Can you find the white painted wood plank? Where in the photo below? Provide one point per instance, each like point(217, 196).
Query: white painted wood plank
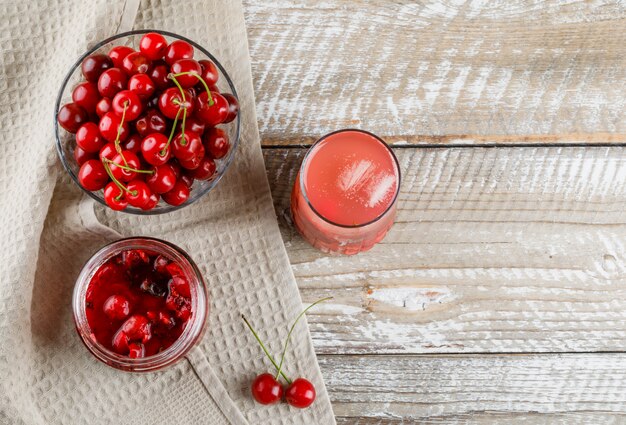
point(430, 68)
point(517, 389)
point(494, 250)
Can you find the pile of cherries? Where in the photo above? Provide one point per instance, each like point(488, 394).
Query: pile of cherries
point(266, 389)
point(138, 303)
point(146, 122)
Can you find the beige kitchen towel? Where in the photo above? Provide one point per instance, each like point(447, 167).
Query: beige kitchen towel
point(48, 230)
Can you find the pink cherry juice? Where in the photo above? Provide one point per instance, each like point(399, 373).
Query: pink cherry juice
point(345, 194)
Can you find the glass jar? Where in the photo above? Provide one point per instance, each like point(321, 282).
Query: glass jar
point(194, 327)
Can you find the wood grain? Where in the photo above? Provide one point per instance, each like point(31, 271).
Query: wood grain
point(494, 250)
point(512, 249)
point(444, 70)
point(516, 389)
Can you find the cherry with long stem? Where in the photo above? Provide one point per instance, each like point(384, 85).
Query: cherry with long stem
point(269, 356)
point(282, 358)
point(105, 163)
point(206, 86)
point(267, 353)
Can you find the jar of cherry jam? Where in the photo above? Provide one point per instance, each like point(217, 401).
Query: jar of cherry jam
point(140, 304)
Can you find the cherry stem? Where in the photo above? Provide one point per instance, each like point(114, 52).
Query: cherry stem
point(127, 168)
point(180, 88)
point(206, 86)
point(169, 139)
point(282, 358)
point(118, 148)
point(269, 356)
point(105, 162)
point(183, 142)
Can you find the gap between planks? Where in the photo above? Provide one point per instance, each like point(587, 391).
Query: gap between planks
point(470, 141)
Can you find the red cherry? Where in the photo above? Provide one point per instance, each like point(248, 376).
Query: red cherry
point(132, 161)
point(166, 320)
point(108, 151)
point(137, 328)
point(128, 100)
point(116, 307)
point(300, 394)
point(103, 106)
point(136, 63)
point(94, 65)
point(152, 202)
point(205, 170)
point(191, 93)
point(92, 175)
point(186, 65)
point(233, 107)
point(187, 147)
point(81, 156)
point(134, 257)
point(180, 305)
point(163, 179)
point(109, 125)
point(111, 81)
point(155, 150)
point(209, 72)
point(151, 122)
point(179, 286)
point(160, 263)
point(88, 138)
point(211, 115)
point(138, 194)
point(178, 195)
point(176, 167)
point(174, 269)
point(266, 389)
point(118, 53)
point(71, 117)
point(120, 342)
point(171, 101)
point(158, 74)
point(192, 124)
point(216, 143)
point(186, 178)
point(153, 45)
point(193, 163)
point(136, 350)
point(142, 85)
point(153, 102)
point(116, 200)
point(178, 50)
point(86, 95)
point(133, 143)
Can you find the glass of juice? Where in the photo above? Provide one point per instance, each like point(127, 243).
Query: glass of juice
point(344, 197)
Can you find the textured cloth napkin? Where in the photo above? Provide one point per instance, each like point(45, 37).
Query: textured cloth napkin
point(49, 229)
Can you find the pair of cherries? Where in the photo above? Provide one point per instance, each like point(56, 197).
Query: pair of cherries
point(145, 123)
point(266, 388)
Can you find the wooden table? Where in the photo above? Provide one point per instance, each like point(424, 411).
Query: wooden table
point(500, 293)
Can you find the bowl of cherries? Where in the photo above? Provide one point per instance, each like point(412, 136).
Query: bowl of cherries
point(147, 122)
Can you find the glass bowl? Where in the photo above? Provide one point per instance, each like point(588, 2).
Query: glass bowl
point(65, 141)
point(193, 330)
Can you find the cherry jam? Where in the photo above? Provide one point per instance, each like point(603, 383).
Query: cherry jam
point(140, 300)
